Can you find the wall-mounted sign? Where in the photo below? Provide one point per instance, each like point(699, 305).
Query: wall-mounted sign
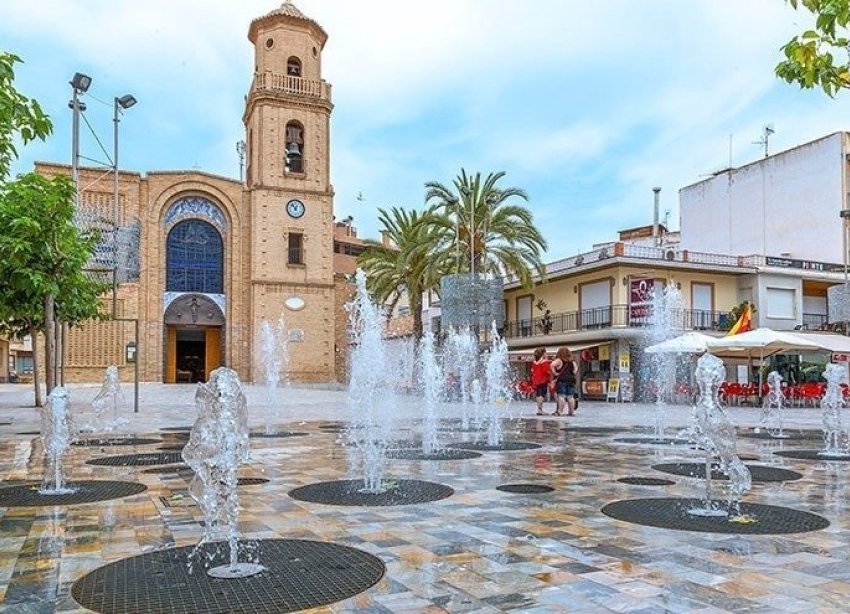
point(640, 297)
point(624, 362)
point(809, 265)
point(294, 303)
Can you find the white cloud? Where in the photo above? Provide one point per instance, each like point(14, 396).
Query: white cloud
point(586, 104)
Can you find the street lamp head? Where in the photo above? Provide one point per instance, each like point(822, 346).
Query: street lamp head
point(81, 82)
point(126, 101)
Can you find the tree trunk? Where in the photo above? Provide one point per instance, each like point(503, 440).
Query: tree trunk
point(36, 383)
point(49, 343)
point(416, 308)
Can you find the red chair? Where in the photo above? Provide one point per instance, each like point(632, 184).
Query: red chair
point(734, 392)
point(810, 394)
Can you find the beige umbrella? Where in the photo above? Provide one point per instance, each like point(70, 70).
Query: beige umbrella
point(760, 342)
point(689, 343)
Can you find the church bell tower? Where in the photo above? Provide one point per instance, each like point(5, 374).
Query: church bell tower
point(287, 124)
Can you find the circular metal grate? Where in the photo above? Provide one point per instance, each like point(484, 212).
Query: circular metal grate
point(646, 481)
point(176, 435)
point(811, 455)
point(251, 481)
point(347, 492)
point(760, 473)
point(789, 435)
point(299, 575)
point(439, 455)
point(655, 441)
point(115, 441)
point(594, 430)
point(525, 489)
point(169, 469)
point(505, 446)
point(281, 435)
point(85, 491)
point(673, 513)
point(130, 460)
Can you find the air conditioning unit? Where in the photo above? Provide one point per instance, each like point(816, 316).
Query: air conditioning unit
point(669, 254)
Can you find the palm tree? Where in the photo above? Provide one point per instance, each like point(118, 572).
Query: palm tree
point(405, 266)
point(484, 230)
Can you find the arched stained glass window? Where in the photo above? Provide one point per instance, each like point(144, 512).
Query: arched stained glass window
point(194, 258)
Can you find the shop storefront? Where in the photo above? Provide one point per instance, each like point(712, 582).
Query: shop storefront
point(594, 366)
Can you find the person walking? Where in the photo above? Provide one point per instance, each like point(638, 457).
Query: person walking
point(541, 374)
point(564, 370)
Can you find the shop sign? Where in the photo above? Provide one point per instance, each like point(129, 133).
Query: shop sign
point(640, 297)
point(613, 390)
point(594, 388)
point(624, 362)
point(809, 265)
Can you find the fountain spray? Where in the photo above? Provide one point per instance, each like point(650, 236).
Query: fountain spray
point(716, 435)
point(217, 445)
point(107, 404)
point(498, 390)
point(57, 431)
point(432, 385)
point(369, 400)
point(836, 440)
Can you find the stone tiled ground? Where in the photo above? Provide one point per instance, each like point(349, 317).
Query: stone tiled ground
point(480, 550)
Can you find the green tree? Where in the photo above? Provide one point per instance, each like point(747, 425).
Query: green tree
point(820, 56)
point(406, 265)
point(20, 117)
point(482, 223)
point(42, 277)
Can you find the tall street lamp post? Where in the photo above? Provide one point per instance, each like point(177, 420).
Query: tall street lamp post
point(120, 103)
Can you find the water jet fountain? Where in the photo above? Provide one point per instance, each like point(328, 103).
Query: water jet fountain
point(109, 399)
point(274, 355)
point(432, 384)
point(217, 445)
point(498, 385)
point(716, 436)
point(462, 358)
point(57, 431)
point(664, 323)
point(773, 408)
point(836, 438)
point(368, 398)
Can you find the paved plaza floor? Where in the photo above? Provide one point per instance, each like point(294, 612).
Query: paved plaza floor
point(478, 550)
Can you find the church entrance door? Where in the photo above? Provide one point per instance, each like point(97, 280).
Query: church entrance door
point(194, 331)
point(192, 353)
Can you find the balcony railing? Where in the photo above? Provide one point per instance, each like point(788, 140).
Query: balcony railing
point(614, 316)
point(815, 321)
point(297, 86)
point(674, 254)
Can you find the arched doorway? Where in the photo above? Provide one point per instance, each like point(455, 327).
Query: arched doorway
point(194, 331)
point(194, 278)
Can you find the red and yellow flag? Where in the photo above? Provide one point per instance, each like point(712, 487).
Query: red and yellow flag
point(744, 323)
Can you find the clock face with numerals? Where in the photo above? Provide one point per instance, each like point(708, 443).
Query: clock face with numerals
point(295, 208)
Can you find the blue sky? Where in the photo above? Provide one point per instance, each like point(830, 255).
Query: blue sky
point(585, 105)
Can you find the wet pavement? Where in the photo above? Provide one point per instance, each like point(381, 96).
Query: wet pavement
point(478, 550)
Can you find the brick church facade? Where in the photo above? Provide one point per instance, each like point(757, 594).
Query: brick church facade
point(206, 259)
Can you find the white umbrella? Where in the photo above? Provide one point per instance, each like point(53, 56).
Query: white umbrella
point(689, 343)
point(760, 342)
